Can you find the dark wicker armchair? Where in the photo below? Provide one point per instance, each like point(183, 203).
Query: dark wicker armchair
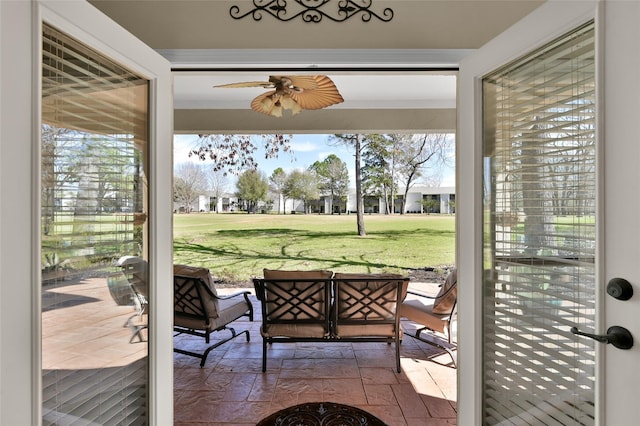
point(199, 311)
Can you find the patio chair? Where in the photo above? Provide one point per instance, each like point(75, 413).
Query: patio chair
point(136, 269)
point(366, 308)
point(200, 311)
point(434, 314)
point(295, 306)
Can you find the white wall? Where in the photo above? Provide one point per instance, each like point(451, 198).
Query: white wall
point(414, 202)
point(203, 204)
point(17, 273)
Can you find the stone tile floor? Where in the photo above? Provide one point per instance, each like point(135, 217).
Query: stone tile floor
point(83, 330)
point(232, 390)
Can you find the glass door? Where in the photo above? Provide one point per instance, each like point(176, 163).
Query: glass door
point(105, 337)
point(547, 218)
point(94, 210)
point(539, 145)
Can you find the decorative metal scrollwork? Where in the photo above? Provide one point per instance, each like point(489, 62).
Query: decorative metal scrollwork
point(312, 10)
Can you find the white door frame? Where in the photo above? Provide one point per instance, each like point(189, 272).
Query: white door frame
point(20, 331)
point(618, 200)
point(620, 203)
point(16, 343)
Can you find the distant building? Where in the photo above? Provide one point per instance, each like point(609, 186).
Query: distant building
point(206, 204)
point(227, 203)
point(442, 200)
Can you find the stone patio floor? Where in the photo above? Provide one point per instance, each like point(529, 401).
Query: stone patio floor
point(231, 388)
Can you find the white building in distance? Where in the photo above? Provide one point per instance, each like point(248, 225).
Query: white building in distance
point(420, 199)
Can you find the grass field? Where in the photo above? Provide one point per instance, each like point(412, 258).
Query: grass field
point(236, 247)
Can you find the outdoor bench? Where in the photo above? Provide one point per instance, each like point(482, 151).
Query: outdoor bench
point(322, 306)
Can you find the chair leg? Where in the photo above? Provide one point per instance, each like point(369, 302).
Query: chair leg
point(136, 329)
point(137, 332)
point(264, 354)
point(205, 354)
point(432, 343)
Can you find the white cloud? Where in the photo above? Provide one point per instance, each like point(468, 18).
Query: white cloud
point(303, 146)
point(324, 154)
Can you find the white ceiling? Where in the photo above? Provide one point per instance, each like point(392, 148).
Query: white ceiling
point(423, 35)
point(366, 78)
point(194, 90)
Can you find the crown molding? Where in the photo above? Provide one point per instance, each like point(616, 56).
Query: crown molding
point(309, 59)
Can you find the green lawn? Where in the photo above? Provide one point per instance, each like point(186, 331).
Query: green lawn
point(239, 246)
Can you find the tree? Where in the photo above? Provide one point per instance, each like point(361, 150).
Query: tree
point(218, 184)
point(234, 153)
point(430, 205)
point(396, 149)
point(189, 182)
point(301, 185)
point(252, 187)
point(378, 172)
point(277, 180)
point(59, 168)
point(414, 154)
point(355, 140)
point(333, 177)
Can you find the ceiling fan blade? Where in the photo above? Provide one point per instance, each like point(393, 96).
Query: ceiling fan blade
point(324, 94)
point(265, 84)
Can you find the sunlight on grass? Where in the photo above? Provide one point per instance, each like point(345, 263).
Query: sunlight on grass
point(238, 246)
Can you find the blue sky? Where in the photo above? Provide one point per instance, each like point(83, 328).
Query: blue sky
point(306, 149)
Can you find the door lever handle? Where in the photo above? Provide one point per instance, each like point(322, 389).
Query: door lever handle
point(618, 336)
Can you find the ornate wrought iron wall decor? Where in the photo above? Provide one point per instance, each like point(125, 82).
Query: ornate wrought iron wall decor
point(312, 10)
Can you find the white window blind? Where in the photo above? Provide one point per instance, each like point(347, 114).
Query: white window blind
point(539, 244)
point(93, 211)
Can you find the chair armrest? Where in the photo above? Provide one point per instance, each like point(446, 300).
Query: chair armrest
point(416, 293)
point(230, 296)
point(435, 296)
point(258, 285)
point(244, 294)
